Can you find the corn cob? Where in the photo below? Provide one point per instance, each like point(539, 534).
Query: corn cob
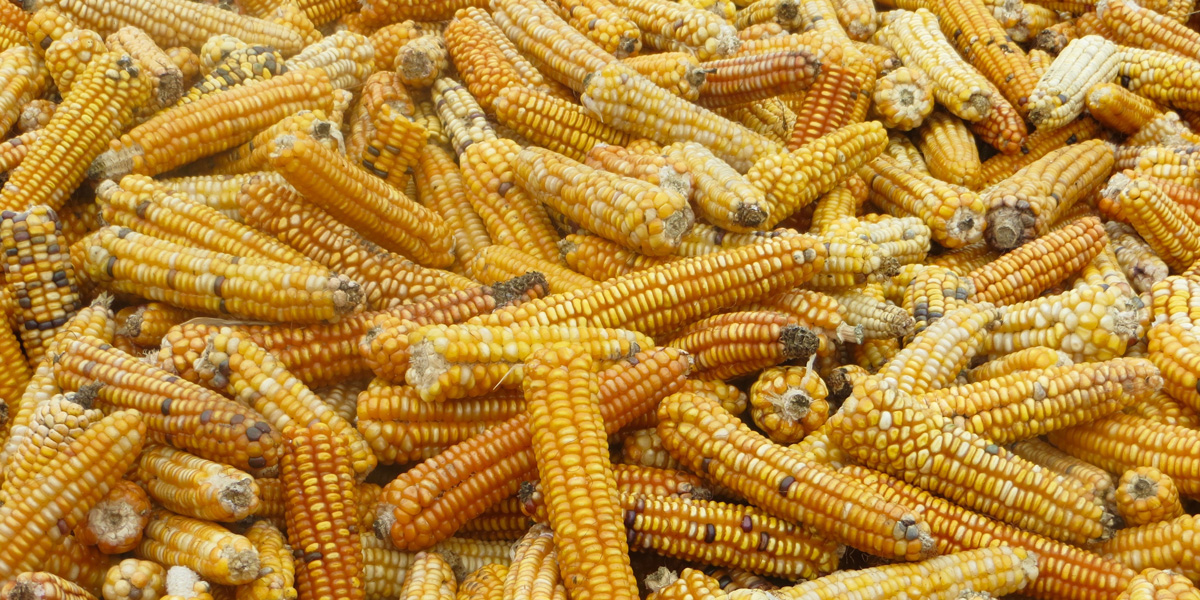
point(600, 260)
point(66, 488)
point(41, 277)
point(1003, 128)
point(903, 98)
point(389, 39)
point(50, 429)
point(551, 122)
point(842, 202)
point(1162, 545)
point(1028, 359)
point(949, 150)
point(1038, 264)
point(1164, 409)
point(1145, 495)
point(550, 43)
point(723, 197)
point(840, 96)
point(23, 77)
point(933, 292)
point(871, 525)
point(494, 264)
point(1153, 583)
point(1161, 222)
point(1165, 130)
point(342, 397)
point(615, 90)
point(534, 570)
point(643, 447)
point(486, 582)
point(1141, 265)
point(640, 480)
point(318, 473)
point(1038, 144)
point(677, 72)
point(623, 397)
point(388, 280)
point(781, 12)
point(603, 23)
point(1064, 571)
point(66, 58)
point(114, 525)
point(1065, 514)
point(788, 403)
point(1093, 478)
point(1026, 205)
point(146, 325)
point(954, 215)
point(740, 343)
point(504, 521)
point(206, 548)
point(133, 578)
point(171, 408)
point(1040, 61)
point(150, 208)
point(658, 168)
point(985, 44)
point(184, 583)
point(665, 584)
point(1132, 24)
point(512, 217)
point(877, 319)
point(461, 115)
point(1059, 95)
point(1147, 73)
point(440, 187)
point(216, 191)
point(430, 577)
point(678, 27)
point(421, 61)
point(1088, 322)
point(241, 67)
point(1119, 443)
point(346, 57)
point(277, 566)
point(956, 84)
point(771, 117)
point(754, 77)
point(196, 487)
point(955, 339)
point(39, 584)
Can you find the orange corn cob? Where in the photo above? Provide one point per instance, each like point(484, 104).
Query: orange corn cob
point(788, 403)
point(512, 217)
point(1037, 145)
point(1161, 222)
point(440, 187)
point(955, 215)
point(494, 264)
point(739, 343)
point(1164, 409)
point(677, 72)
point(1163, 545)
point(1145, 495)
point(753, 77)
point(1041, 263)
point(552, 122)
point(839, 96)
point(115, 523)
point(1122, 442)
point(550, 43)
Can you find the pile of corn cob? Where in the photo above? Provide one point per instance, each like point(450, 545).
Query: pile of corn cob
point(548, 299)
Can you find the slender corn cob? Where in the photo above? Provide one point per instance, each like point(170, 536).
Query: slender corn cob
point(1122, 442)
point(1003, 128)
point(152, 209)
point(600, 260)
point(277, 578)
point(1026, 205)
point(753, 77)
point(144, 325)
point(241, 67)
point(840, 96)
point(133, 578)
point(1165, 130)
point(1161, 222)
point(1064, 513)
point(552, 123)
point(1164, 409)
point(388, 279)
point(440, 187)
point(41, 276)
point(1101, 485)
point(985, 44)
point(1064, 571)
point(206, 548)
point(739, 343)
point(1028, 359)
point(1132, 24)
point(534, 571)
point(954, 339)
point(461, 115)
point(903, 98)
point(957, 85)
point(512, 217)
point(1037, 265)
point(560, 51)
point(788, 403)
point(678, 27)
point(66, 488)
point(603, 23)
point(486, 582)
point(771, 117)
point(1163, 545)
point(615, 91)
point(1147, 73)
point(1145, 495)
point(644, 481)
point(677, 72)
point(494, 264)
point(955, 215)
point(1038, 144)
point(114, 525)
point(877, 319)
point(625, 393)
point(1142, 266)
point(318, 473)
point(1059, 95)
point(216, 191)
point(870, 524)
point(195, 487)
point(842, 202)
point(949, 150)
point(1041, 61)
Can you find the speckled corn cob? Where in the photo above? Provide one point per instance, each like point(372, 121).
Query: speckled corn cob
point(903, 98)
point(494, 264)
point(1059, 95)
point(1132, 24)
point(1163, 77)
point(878, 319)
point(66, 488)
point(40, 275)
point(603, 23)
point(318, 472)
point(165, 76)
point(956, 84)
point(1088, 323)
point(512, 216)
point(49, 430)
point(1142, 266)
point(241, 67)
point(626, 392)
point(954, 215)
point(949, 150)
point(216, 191)
point(552, 122)
point(671, 26)
point(1061, 513)
point(953, 340)
point(1037, 145)
point(195, 487)
point(788, 403)
point(133, 578)
point(1145, 495)
point(594, 559)
point(204, 547)
point(740, 343)
point(1041, 263)
point(553, 45)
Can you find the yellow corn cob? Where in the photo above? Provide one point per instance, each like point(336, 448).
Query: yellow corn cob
point(615, 91)
point(241, 67)
point(145, 325)
point(954, 339)
point(1027, 204)
point(552, 123)
point(133, 578)
point(114, 525)
point(665, 584)
point(1063, 513)
point(1093, 478)
point(277, 578)
point(495, 264)
point(877, 319)
point(165, 76)
point(1165, 130)
point(788, 403)
point(1147, 73)
point(949, 150)
point(723, 196)
point(954, 215)
point(1038, 264)
point(512, 217)
point(440, 187)
point(677, 72)
point(38, 584)
point(342, 397)
point(1119, 442)
point(903, 98)
point(1038, 144)
point(985, 44)
point(204, 547)
point(603, 24)
point(781, 12)
point(1161, 222)
point(1036, 357)
point(534, 572)
point(1040, 61)
point(643, 447)
point(1003, 128)
point(1059, 95)
point(318, 474)
point(66, 58)
point(23, 77)
point(557, 49)
point(842, 202)
point(933, 292)
point(41, 277)
point(672, 26)
point(600, 259)
point(389, 39)
point(1153, 583)
point(195, 487)
point(65, 488)
point(50, 429)
point(1164, 409)
point(1146, 495)
point(217, 191)
point(1163, 545)
point(485, 583)
point(421, 61)
point(753, 77)
point(346, 57)
point(429, 577)
point(739, 343)
point(1132, 24)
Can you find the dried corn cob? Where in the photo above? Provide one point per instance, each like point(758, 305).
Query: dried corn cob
point(1161, 222)
point(903, 98)
point(840, 96)
point(145, 325)
point(1132, 24)
point(739, 343)
point(1038, 144)
point(1122, 442)
point(206, 548)
point(1036, 357)
point(277, 578)
point(1093, 478)
point(1036, 265)
point(677, 72)
point(949, 150)
point(195, 487)
point(342, 397)
point(346, 57)
point(494, 264)
point(318, 473)
point(600, 259)
point(1003, 128)
point(722, 196)
point(421, 61)
point(603, 23)
point(878, 319)
point(771, 117)
point(1159, 76)
point(1059, 95)
point(954, 339)
point(643, 447)
point(788, 403)
point(68, 57)
point(216, 191)
point(40, 274)
point(753, 77)
point(429, 576)
point(114, 525)
point(241, 67)
point(39, 584)
point(440, 187)
point(512, 217)
point(1145, 495)
point(1164, 409)
point(954, 215)
point(562, 52)
point(133, 578)
point(1162, 545)
point(985, 44)
point(1153, 583)
point(165, 76)
point(671, 26)
point(956, 84)
point(552, 123)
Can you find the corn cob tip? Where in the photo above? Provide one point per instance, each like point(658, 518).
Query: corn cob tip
point(103, 301)
point(457, 564)
point(850, 333)
point(515, 289)
point(889, 267)
point(384, 520)
point(752, 216)
point(114, 164)
point(798, 342)
point(85, 396)
point(625, 46)
point(660, 578)
point(348, 295)
point(1006, 227)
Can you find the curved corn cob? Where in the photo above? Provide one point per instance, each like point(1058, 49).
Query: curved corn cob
point(678, 27)
point(318, 473)
point(1038, 264)
point(494, 264)
point(512, 217)
point(469, 479)
point(65, 489)
point(485, 583)
point(241, 67)
point(195, 487)
point(1145, 495)
point(41, 276)
point(941, 459)
point(429, 577)
point(206, 548)
point(133, 578)
point(68, 57)
point(534, 572)
point(1026, 205)
point(949, 150)
point(346, 57)
point(278, 569)
point(165, 76)
point(933, 292)
point(388, 279)
point(1028, 359)
point(603, 23)
point(1163, 224)
point(739, 343)
point(955, 215)
point(1163, 545)
point(616, 91)
point(1064, 571)
point(957, 85)
point(1059, 95)
point(937, 355)
point(115, 524)
point(562, 395)
point(788, 403)
point(876, 318)
point(903, 98)
point(551, 122)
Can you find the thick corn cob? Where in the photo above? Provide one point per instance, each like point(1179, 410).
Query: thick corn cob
point(1063, 513)
point(1037, 145)
point(1119, 108)
point(1155, 583)
point(53, 424)
point(552, 122)
point(133, 578)
point(41, 277)
point(600, 259)
point(1038, 264)
point(42, 585)
point(753, 77)
point(954, 340)
point(1036, 357)
point(494, 264)
point(421, 61)
point(23, 77)
point(144, 325)
point(1164, 409)
point(195, 487)
point(788, 403)
point(877, 319)
point(114, 525)
point(949, 150)
point(162, 143)
point(1059, 95)
point(1161, 222)
point(955, 215)
point(206, 548)
point(1145, 495)
point(643, 447)
point(723, 197)
point(933, 292)
point(1101, 485)
point(216, 191)
point(1132, 24)
point(739, 343)
point(677, 72)
point(1122, 442)
point(626, 392)
point(840, 96)
point(277, 576)
point(603, 23)
point(657, 168)
point(985, 44)
point(1161, 76)
point(318, 473)
point(165, 76)
point(242, 67)
point(1163, 545)
point(903, 98)
point(512, 216)
point(671, 26)
point(67, 58)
